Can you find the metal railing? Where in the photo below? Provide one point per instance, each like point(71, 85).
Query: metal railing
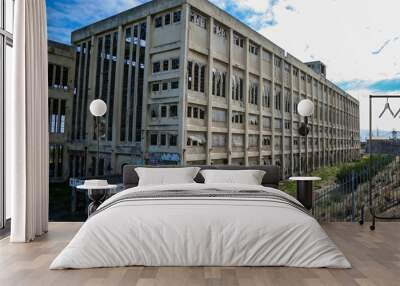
point(347, 200)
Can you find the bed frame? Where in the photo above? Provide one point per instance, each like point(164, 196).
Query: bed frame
point(271, 178)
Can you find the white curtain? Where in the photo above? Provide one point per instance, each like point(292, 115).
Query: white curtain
point(26, 120)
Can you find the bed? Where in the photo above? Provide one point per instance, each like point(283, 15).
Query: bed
point(201, 224)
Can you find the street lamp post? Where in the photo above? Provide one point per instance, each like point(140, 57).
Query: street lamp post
point(98, 108)
point(305, 109)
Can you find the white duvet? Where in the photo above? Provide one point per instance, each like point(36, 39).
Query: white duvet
point(202, 232)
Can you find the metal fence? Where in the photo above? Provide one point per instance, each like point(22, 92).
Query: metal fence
point(347, 200)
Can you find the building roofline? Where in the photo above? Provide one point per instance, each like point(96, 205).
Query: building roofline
point(130, 15)
point(141, 11)
point(59, 45)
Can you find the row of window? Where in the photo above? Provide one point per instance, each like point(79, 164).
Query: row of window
point(164, 85)
point(195, 112)
point(166, 65)
point(57, 110)
point(238, 140)
point(219, 83)
point(163, 139)
point(196, 76)
point(164, 111)
point(58, 76)
point(167, 19)
point(198, 19)
point(220, 31)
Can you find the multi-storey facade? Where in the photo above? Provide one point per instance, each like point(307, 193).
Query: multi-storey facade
point(61, 91)
point(186, 83)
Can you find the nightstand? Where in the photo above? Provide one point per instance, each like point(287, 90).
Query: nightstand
point(98, 191)
point(305, 190)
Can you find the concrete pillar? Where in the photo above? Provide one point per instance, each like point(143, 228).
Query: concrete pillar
point(246, 102)
point(209, 93)
point(229, 94)
point(183, 82)
point(145, 83)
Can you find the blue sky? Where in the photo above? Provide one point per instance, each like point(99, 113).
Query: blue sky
point(358, 40)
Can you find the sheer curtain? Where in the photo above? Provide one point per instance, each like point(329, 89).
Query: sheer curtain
point(26, 124)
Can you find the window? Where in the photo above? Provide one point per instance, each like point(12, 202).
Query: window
point(153, 139)
point(219, 31)
point(237, 140)
point(202, 78)
point(198, 19)
point(253, 140)
point(266, 140)
point(219, 83)
point(267, 122)
point(218, 140)
point(173, 140)
point(163, 139)
point(295, 104)
point(237, 117)
point(156, 67)
point(238, 41)
point(158, 22)
point(165, 65)
point(156, 87)
point(267, 56)
point(266, 99)
point(190, 74)
point(201, 113)
point(253, 49)
point(167, 19)
point(165, 85)
point(287, 102)
point(278, 62)
point(237, 88)
point(163, 111)
point(278, 98)
point(253, 96)
point(253, 120)
point(64, 83)
point(196, 77)
point(175, 64)
point(287, 124)
point(177, 16)
point(219, 115)
point(189, 112)
point(173, 111)
point(175, 84)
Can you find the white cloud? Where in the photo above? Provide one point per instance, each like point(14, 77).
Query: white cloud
point(344, 34)
point(358, 40)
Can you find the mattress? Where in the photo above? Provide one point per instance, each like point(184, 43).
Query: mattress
point(201, 225)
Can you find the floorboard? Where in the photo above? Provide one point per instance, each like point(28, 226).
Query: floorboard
point(375, 257)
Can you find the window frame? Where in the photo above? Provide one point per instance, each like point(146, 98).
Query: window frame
point(6, 43)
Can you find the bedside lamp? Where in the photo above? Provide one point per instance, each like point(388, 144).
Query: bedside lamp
point(98, 108)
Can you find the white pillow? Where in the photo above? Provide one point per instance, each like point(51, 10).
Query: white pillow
point(166, 176)
point(247, 177)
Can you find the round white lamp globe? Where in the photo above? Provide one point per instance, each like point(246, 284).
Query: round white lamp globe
point(305, 108)
point(98, 108)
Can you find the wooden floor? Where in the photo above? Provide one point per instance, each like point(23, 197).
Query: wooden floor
point(375, 257)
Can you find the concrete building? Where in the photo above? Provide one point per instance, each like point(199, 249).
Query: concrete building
point(60, 71)
point(186, 83)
